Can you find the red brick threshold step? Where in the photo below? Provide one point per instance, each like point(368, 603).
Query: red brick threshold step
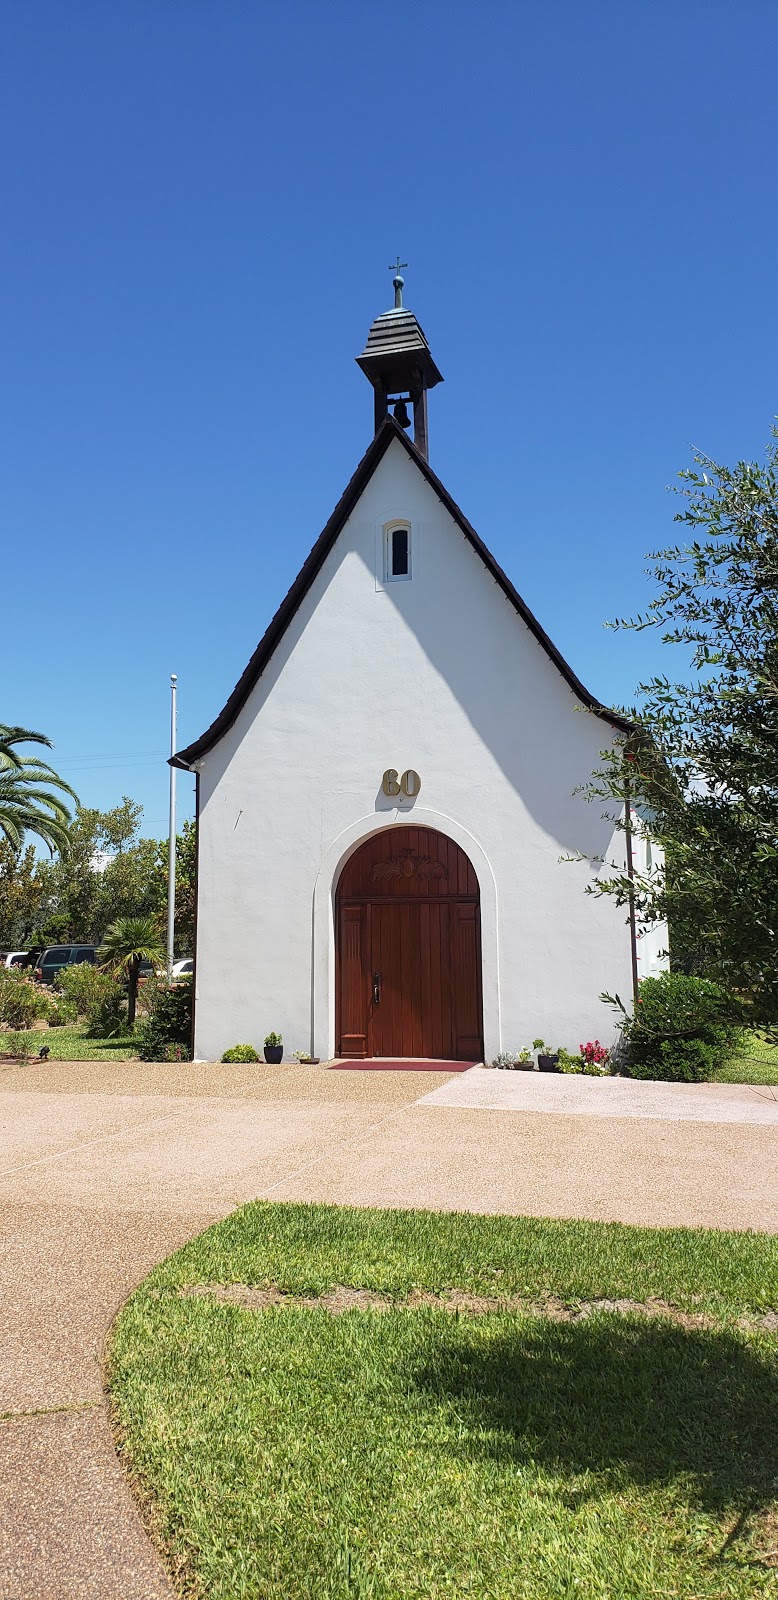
point(408, 1064)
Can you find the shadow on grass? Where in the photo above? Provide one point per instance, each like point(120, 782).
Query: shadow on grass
point(640, 1403)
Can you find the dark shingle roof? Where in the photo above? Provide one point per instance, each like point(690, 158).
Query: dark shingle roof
point(394, 337)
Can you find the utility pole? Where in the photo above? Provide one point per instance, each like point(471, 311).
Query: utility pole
point(171, 860)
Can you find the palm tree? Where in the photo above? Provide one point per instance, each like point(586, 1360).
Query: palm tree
point(27, 803)
point(128, 942)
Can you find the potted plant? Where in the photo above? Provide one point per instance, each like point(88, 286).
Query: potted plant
point(548, 1060)
point(304, 1060)
point(515, 1060)
point(274, 1048)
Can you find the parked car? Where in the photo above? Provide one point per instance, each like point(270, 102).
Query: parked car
point(19, 958)
point(57, 956)
point(182, 969)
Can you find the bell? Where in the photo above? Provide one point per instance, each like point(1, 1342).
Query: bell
point(401, 414)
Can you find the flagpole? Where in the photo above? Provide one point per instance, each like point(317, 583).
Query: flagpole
point(171, 862)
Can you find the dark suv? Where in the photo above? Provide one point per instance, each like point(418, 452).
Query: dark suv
point(58, 956)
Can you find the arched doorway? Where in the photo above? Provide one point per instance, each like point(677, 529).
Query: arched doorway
point(409, 949)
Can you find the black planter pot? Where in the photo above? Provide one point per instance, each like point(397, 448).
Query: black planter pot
point(525, 1066)
point(548, 1063)
point(274, 1053)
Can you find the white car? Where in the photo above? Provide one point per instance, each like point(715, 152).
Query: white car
point(17, 958)
point(182, 969)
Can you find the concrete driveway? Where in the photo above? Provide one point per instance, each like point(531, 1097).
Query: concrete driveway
point(106, 1169)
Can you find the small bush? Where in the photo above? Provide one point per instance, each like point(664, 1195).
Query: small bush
point(83, 985)
point(16, 1045)
point(176, 1052)
point(96, 996)
point(273, 1041)
point(22, 1000)
point(108, 1016)
point(682, 1028)
point(595, 1057)
point(241, 1052)
point(62, 1013)
point(169, 1022)
point(679, 1061)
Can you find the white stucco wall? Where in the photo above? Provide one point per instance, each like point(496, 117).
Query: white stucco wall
point(652, 937)
point(437, 674)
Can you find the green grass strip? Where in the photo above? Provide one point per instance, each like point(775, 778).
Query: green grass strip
point(72, 1044)
point(417, 1454)
point(306, 1249)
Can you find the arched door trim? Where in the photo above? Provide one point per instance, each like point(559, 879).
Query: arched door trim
point(323, 950)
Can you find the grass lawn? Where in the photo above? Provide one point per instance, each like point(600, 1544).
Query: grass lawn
point(415, 1453)
point(72, 1044)
point(755, 1062)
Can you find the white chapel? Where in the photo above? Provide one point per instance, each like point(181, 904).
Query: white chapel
point(404, 886)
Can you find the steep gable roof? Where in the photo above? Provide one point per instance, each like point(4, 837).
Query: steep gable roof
point(388, 431)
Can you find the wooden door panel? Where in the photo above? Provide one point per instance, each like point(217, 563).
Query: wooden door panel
point(408, 909)
point(466, 969)
point(354, 991)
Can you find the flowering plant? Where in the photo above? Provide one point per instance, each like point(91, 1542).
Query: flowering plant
point(594, 1055)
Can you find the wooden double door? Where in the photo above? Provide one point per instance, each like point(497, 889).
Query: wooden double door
point(409, 949)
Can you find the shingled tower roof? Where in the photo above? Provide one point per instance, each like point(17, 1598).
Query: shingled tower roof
point(395, 343)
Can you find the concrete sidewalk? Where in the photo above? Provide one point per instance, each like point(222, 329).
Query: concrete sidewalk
point(106, 1169)
point(580, 1096)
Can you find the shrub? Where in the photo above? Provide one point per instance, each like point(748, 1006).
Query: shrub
point(176, 1052)
point(61, 1013)
point(16, 1045)
point(679, 1061)
point(273, 1040)
point(108, 1016)
point(682, 1028)
point(80, 985)
point(169, 1022)
point(21, 999)
point(96, 996)
point(241, 1052)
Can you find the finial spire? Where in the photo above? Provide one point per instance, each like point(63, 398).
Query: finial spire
point(398, 283)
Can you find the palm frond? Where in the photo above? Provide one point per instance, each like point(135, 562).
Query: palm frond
point(10, 736)
point(29, 802)
point(36, 771)
point(130, 940)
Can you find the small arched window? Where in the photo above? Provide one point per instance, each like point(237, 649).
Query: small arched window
point(397, 552)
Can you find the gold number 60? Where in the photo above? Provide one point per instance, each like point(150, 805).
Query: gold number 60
point(408, 785)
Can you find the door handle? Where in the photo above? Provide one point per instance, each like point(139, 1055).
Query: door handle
point(376, 988)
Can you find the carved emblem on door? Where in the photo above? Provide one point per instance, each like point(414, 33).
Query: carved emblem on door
point(408, 865)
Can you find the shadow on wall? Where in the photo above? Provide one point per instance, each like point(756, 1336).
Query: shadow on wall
point(480, 651)
point(543, 738)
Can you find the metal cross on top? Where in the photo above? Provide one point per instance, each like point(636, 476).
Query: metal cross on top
point(398, 283)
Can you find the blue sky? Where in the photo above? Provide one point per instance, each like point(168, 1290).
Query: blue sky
point(200, 202)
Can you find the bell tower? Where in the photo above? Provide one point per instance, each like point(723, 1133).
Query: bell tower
point(398, 363)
